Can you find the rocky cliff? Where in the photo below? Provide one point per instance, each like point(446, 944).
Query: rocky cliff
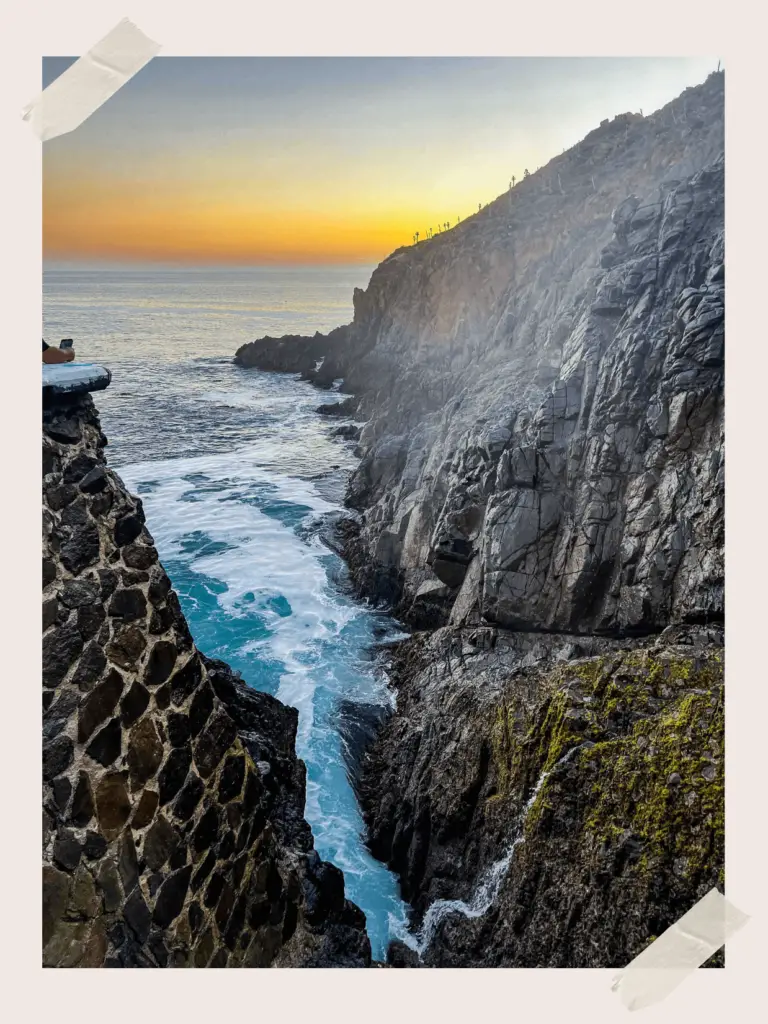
point(543, 391)
point(173, 800)
point(546, 803)
point(541, 476)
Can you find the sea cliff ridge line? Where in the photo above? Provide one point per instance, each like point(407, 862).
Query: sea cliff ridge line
point(539, 394)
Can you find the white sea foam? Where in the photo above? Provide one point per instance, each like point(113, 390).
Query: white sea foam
point(244, 398)
point(246, 460)
point(219, 496)
point(277, 575)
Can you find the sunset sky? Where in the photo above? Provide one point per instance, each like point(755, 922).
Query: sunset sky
point(319, 160)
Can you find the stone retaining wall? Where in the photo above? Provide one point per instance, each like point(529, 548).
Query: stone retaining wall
point(173, 828)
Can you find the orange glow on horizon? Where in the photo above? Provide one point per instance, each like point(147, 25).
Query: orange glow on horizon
point(314, 160)
point(134, 221)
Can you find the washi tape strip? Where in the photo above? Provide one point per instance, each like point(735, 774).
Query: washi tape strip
point(682, 948)
point(84, 87)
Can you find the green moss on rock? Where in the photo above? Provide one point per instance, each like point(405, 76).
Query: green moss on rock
point(663, 779)
point(650, 728)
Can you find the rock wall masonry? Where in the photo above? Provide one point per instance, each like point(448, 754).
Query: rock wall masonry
point(173, 800)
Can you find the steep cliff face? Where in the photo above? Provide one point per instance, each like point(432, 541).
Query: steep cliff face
point(545, 453)
point(543, 388)
point(173, 800)
point(548, 804)
point(541, 484)
point(543, 392)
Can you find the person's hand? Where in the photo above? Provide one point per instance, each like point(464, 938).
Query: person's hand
point(58, 355)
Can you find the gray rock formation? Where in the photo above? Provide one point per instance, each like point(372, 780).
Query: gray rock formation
point(543, 391)
point(173, 800)
point(547, 440)
point(542, 464)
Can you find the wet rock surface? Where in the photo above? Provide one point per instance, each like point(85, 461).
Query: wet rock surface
point(541, 485)
point(164, 845)
point(318, 359)
point(610, 852)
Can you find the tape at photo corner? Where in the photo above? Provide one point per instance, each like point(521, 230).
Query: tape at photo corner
point(90, 82)
point(681, 949)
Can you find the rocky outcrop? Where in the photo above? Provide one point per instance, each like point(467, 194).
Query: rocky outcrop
point(545, 393)
point(173, 800)
point(318, 359)
point(542, 478)
point(550, 462)
point(544, 807)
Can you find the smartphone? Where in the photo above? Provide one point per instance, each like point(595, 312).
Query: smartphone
point(66, 343)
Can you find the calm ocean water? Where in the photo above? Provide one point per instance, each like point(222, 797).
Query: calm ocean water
point(237, 472)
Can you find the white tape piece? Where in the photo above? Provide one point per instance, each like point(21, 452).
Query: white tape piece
point(90, 82)
point(682, 948)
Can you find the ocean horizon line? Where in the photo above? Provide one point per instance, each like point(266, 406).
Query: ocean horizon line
point(128, 265)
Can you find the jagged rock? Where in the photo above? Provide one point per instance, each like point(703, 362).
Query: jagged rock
point(344, 408)
point(348, 431)
point(316, 358)
point(400, 955)
point(496, 744)
point(550, 420)
point(106, 745)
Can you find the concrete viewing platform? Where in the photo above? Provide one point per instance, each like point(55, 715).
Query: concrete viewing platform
point(74, 378)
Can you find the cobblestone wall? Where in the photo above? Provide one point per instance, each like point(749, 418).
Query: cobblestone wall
point(173, 828)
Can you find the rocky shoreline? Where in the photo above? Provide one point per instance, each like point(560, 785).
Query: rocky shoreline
point(539, 395)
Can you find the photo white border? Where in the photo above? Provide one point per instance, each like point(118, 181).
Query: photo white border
point(416, 27)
